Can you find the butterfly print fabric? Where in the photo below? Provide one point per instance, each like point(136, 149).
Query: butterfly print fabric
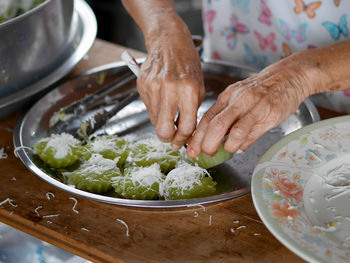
point(256, 33)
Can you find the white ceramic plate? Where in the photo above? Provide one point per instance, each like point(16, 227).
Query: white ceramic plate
point(301, 191)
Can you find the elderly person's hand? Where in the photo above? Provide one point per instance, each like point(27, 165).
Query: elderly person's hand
point(171, 79)
point(247, 109)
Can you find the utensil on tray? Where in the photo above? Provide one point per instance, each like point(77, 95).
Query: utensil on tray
point(69, 119)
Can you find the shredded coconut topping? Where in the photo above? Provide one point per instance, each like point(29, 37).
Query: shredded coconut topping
point(143, 176)
point(210, 220)
point(85, 229)
point(155, 150)
point(184, 177)
point(61, 144)
point(104, 143)
point(126, 226)
point(96, 165)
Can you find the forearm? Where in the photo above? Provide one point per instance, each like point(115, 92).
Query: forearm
point(329, 67)
point(156, 19)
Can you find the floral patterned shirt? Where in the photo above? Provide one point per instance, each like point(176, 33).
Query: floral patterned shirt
point(256, 33)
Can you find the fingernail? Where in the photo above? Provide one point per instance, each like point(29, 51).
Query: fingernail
point(190, 152)
point(175, 146)
point(207, 155)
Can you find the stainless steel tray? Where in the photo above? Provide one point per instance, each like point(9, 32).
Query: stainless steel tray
point(233, 177)
point(84, 28)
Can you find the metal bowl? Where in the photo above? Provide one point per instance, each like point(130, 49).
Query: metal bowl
point(35, 43)
point(233, 177)
point(81, 37)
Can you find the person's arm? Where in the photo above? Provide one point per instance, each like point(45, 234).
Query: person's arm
point(171, 79)
point(247, 109)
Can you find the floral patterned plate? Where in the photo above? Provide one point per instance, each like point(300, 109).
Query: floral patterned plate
point(301, 191)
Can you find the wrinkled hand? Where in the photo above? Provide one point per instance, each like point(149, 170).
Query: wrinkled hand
point(247, 109)
point(171, 80)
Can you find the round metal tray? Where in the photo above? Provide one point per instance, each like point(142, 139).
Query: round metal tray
point(84, 29)
point(233, 177)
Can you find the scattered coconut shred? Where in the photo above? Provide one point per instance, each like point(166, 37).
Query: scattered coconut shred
point(3, 155)
point(75, 204)
point(48, 194)
point(46, 216)
point(37, 208)
point(199, 205)
point(15, 151)
point(126, 226)
point(8, 200)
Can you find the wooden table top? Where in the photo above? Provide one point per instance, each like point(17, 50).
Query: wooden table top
point(96, 231)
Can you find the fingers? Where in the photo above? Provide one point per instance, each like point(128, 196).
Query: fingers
point(154, 105)
point(194, 147)
point(148, 89)
point(165, 127)
point(187, 118)
point(239, 133)
point(217, 129)
point(261, 118)
point(235, 117)
point(265, 117)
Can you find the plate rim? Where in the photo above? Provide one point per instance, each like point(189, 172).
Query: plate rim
point(256, 189)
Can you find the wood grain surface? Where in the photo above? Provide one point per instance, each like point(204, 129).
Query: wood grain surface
point(229, 231)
